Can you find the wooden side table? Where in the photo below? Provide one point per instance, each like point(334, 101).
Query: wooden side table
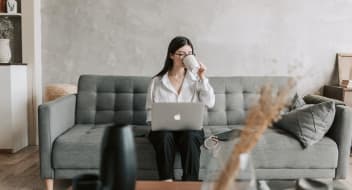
point(160, 185)
point(339, 93)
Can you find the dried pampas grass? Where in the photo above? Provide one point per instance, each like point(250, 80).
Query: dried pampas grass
point(259, 117)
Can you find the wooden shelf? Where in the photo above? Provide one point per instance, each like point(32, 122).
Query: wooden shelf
point(16, 41)
point(10, 14)
point(7, 64)
point(339, 93)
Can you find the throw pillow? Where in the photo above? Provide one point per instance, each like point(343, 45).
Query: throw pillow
point(297, 102)
point(309, 123)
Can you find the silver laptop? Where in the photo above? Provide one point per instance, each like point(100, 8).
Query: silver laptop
point(177, 116)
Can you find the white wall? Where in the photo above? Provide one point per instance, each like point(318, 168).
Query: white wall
point(31, 53)
point(238, 37)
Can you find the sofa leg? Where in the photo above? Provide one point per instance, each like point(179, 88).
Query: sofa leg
point(49, 184)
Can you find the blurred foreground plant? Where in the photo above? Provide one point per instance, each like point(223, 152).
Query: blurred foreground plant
point(259, 118)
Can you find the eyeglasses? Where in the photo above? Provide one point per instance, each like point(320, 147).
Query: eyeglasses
point(183, 54)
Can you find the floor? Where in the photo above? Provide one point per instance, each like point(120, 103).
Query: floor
point(20, 171)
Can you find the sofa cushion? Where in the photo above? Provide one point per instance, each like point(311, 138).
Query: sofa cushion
point(309, 123)
point(234, 96)
point(279, 149)
point(275, 149)
point(121, 99)
point(111, 99)
point(80, 146)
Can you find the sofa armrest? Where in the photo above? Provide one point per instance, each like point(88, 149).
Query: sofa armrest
point(341, 133)
point(316, 99)
point(55, 117)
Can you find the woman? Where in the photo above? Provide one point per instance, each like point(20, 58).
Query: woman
point(175, 84)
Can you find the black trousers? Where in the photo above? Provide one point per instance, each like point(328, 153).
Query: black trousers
point(188, 143)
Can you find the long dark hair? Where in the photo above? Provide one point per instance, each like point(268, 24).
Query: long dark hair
point(175, 44)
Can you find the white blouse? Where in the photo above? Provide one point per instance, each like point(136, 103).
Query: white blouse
point(193, 90)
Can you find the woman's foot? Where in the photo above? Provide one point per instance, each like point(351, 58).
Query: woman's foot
point(168, 180)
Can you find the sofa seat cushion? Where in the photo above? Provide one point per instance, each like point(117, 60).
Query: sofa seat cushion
point(278, 149)
point(80, 146)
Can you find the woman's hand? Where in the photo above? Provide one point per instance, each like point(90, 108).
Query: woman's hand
point(202, 70)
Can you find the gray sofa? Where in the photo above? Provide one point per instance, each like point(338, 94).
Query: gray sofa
point(71, 128)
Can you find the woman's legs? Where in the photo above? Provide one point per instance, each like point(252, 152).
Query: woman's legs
point(189, 143)
point(164, 146)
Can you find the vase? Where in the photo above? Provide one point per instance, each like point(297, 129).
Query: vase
point(5, 51)
point(218, 157)
point(118, 159)
point(11, 6)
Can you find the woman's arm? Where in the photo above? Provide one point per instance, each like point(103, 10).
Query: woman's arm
point(206, 93)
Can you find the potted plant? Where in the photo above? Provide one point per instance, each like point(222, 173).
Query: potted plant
point(6, 28)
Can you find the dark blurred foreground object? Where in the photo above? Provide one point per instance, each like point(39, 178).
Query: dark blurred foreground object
point(86, 182)
point(118, 162)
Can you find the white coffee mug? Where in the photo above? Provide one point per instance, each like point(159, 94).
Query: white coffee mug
point(191, 63)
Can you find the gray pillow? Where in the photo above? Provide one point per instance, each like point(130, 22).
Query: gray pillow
point(309, 123)
point(297, 102)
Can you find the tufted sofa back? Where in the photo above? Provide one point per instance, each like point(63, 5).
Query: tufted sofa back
point(111, 99)
point(235, 95)
point(121, 99)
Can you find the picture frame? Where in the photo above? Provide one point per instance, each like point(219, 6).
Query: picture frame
point(344, 64)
